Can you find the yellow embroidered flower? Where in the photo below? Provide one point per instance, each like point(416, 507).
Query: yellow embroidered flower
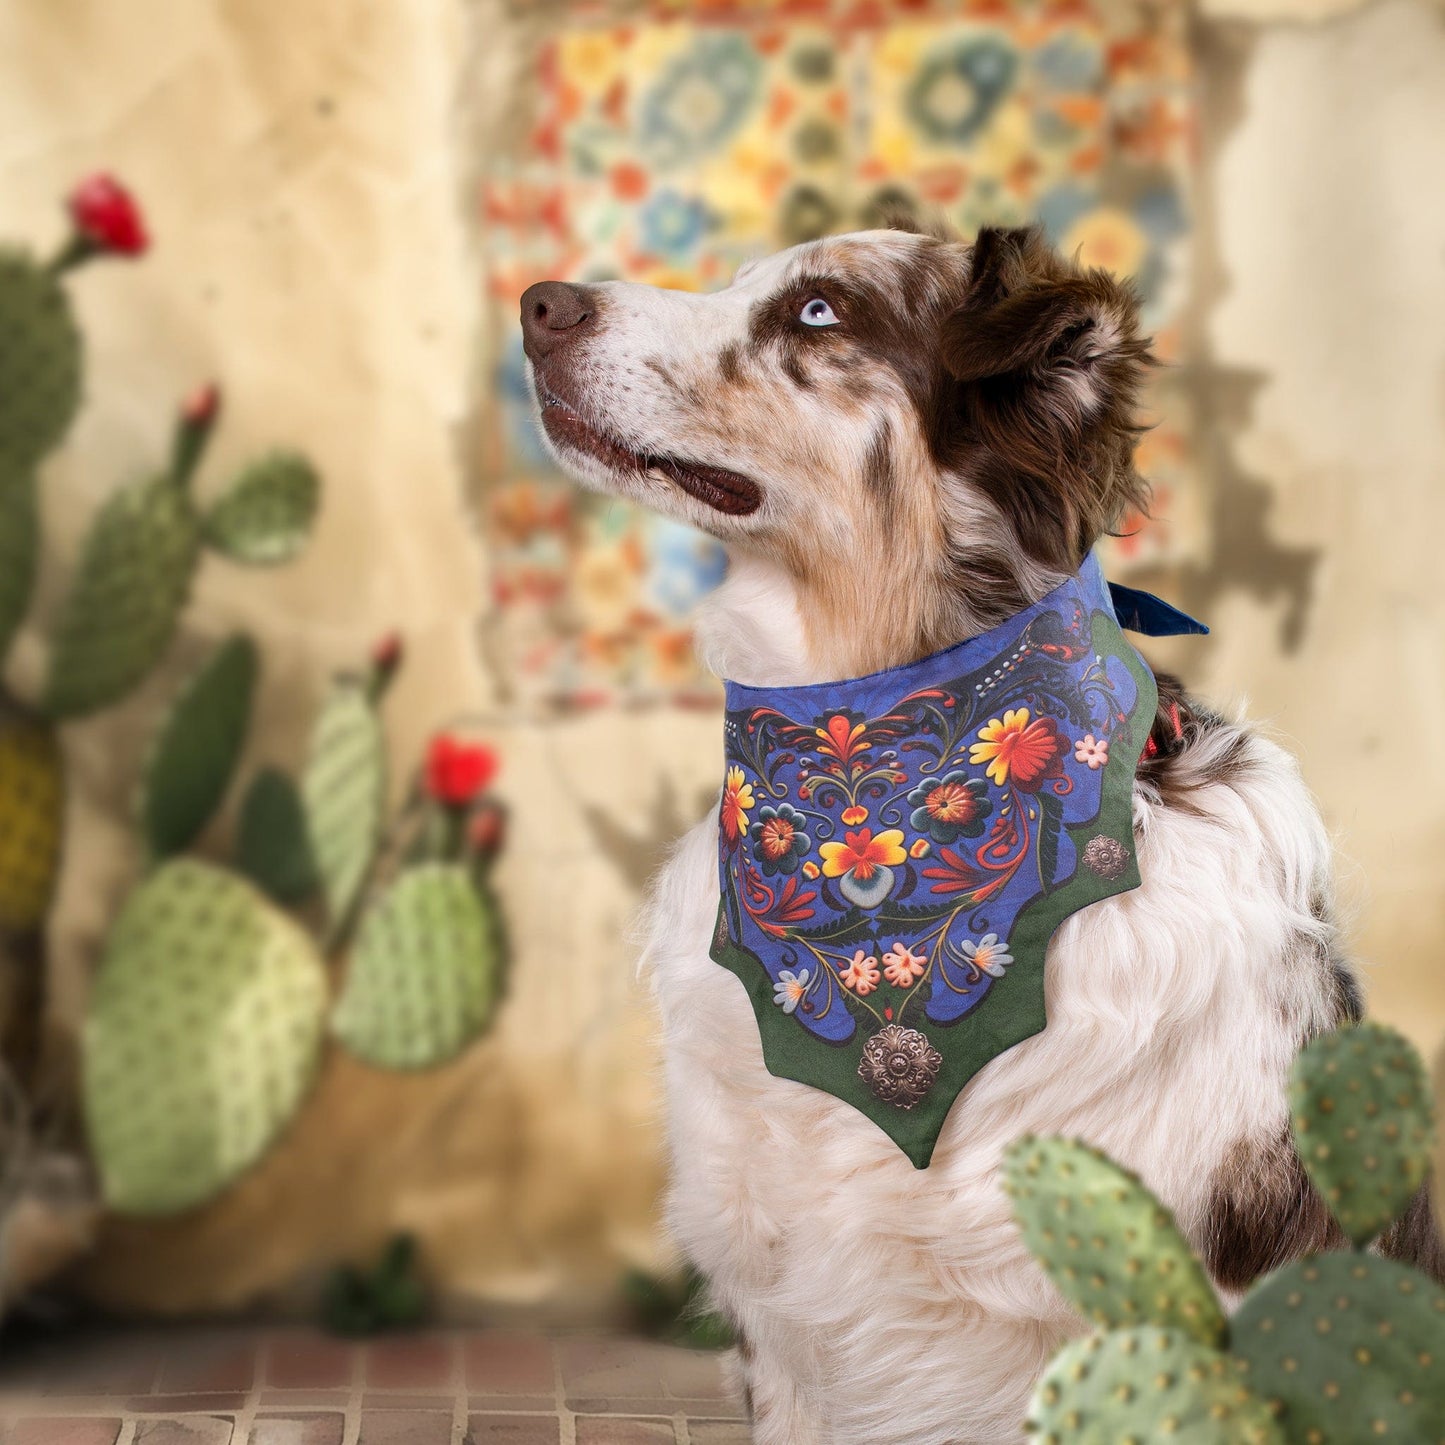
point(855, 815)
point(861, 854)
point(1013, 747)
point(737, 799)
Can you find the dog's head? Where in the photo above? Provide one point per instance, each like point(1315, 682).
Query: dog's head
point(887, 415)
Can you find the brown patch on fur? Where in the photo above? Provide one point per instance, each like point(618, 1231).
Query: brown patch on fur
point(1262, 1213)
point(1050, 364)
point(879, 475)
point(729, 364)
point(1414, 1238)
point(1178, 767)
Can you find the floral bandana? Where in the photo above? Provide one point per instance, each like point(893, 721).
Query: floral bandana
point(896, 851)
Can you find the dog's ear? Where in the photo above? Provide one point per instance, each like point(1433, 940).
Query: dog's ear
point(1049, 362)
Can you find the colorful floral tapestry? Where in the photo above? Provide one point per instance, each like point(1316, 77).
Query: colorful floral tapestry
point(671, 146)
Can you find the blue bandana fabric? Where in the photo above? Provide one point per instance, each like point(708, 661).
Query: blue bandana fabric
point(896, 850)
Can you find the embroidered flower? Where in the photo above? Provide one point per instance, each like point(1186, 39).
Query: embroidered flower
point(789, 990)
point(779, 841)
point(855, 815)
point(861, 854)
point(951, 807)
point(861, 975)
point(1092, 752)
point(903, 967)
point(1107, 857)
point(1019, 751)
point(899, 1065)
point(988, 955)
point(737, 800)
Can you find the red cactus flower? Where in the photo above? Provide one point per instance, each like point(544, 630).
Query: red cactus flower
point(487, 830)
point(386, 653)
point(106, 215)
point(202, 406)
point(456, 771)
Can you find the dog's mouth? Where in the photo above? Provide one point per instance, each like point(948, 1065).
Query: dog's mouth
point(723, 490)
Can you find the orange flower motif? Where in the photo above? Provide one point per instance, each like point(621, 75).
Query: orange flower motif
point(861, 974)
point(855, 815)
point(737, 799)
point(861, 853)
point(901, 966)
point(1019, 750)
point(842, 737)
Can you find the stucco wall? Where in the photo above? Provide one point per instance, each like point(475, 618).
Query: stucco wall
point(305, 170)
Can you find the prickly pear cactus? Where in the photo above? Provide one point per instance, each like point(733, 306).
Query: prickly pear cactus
point(196, 749)
point(1350, 1347)
point(1359, 1099)
point(272, 847)
point(39, 363)
point(134, 574)
point(202, 1038)
point(19, 546)
point(266, 514)
point(343, 788)
point(1144, 1385)
point(1106, 1242)
point(31, 807)
point(423, 976)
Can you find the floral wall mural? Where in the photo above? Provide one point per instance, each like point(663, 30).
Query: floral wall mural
point(671, 145)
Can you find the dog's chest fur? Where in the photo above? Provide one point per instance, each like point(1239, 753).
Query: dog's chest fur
point(876, 1301)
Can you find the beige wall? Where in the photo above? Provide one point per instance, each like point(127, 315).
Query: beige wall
point(300, 169)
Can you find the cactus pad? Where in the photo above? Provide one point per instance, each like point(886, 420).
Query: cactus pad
point(1106, 1242)
point(134, 574)
point(423, 977)
point(31, 808)
point(19, 545)
point(265, 516)
point(343, 789)
point(272, 848)
point(1145, 1385)
point(202, 1038)
point(1359, 1099)
point(195, 752)
point(39, 363)
point(1351, 1345)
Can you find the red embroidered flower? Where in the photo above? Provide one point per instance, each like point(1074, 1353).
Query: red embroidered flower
point(456, 771)
point(107, 216)
point(736, 802)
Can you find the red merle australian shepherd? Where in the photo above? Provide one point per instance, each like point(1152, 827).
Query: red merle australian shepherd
point(903, 440)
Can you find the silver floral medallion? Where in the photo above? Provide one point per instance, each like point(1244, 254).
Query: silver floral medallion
point(899, 1065)
point(1106, 856)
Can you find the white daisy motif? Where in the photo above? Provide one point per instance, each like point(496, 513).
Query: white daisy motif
point(988, 955)
point(788, 991)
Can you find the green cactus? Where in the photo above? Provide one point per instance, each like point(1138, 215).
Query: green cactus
point(1347, 1347)
point(1106, 1242)
point(40, 363)
point(265, 516)
point(195, 752)
point(19, 546)
point(424, 973)
point(32, 795)
point(272, 847)
point(344, 788)
point(1147, 1384)
point(135, 572)
point(202, 1038)
point(1360, 1102)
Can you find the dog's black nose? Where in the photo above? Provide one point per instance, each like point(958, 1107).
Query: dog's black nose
point(554, 313)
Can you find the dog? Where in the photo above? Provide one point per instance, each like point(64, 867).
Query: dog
point(903, 440)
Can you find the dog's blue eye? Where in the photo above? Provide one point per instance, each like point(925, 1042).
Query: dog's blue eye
point(817, 313)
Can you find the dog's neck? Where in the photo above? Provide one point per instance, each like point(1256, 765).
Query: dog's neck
point(766, 627)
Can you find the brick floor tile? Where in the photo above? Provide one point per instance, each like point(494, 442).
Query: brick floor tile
point(513, 1430)
point(514, 1404)
point(405, 1427)
point(298, 1429)
point(420, 1362)
point(614, 1430)
point(304, 1361)
point(508, 1364)
point(188, 1404)
point(695, 1374)
point(192, 1430)
point(606, 1367)
point(225, 1365)
point(60, 1431)
point(718, 1432)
